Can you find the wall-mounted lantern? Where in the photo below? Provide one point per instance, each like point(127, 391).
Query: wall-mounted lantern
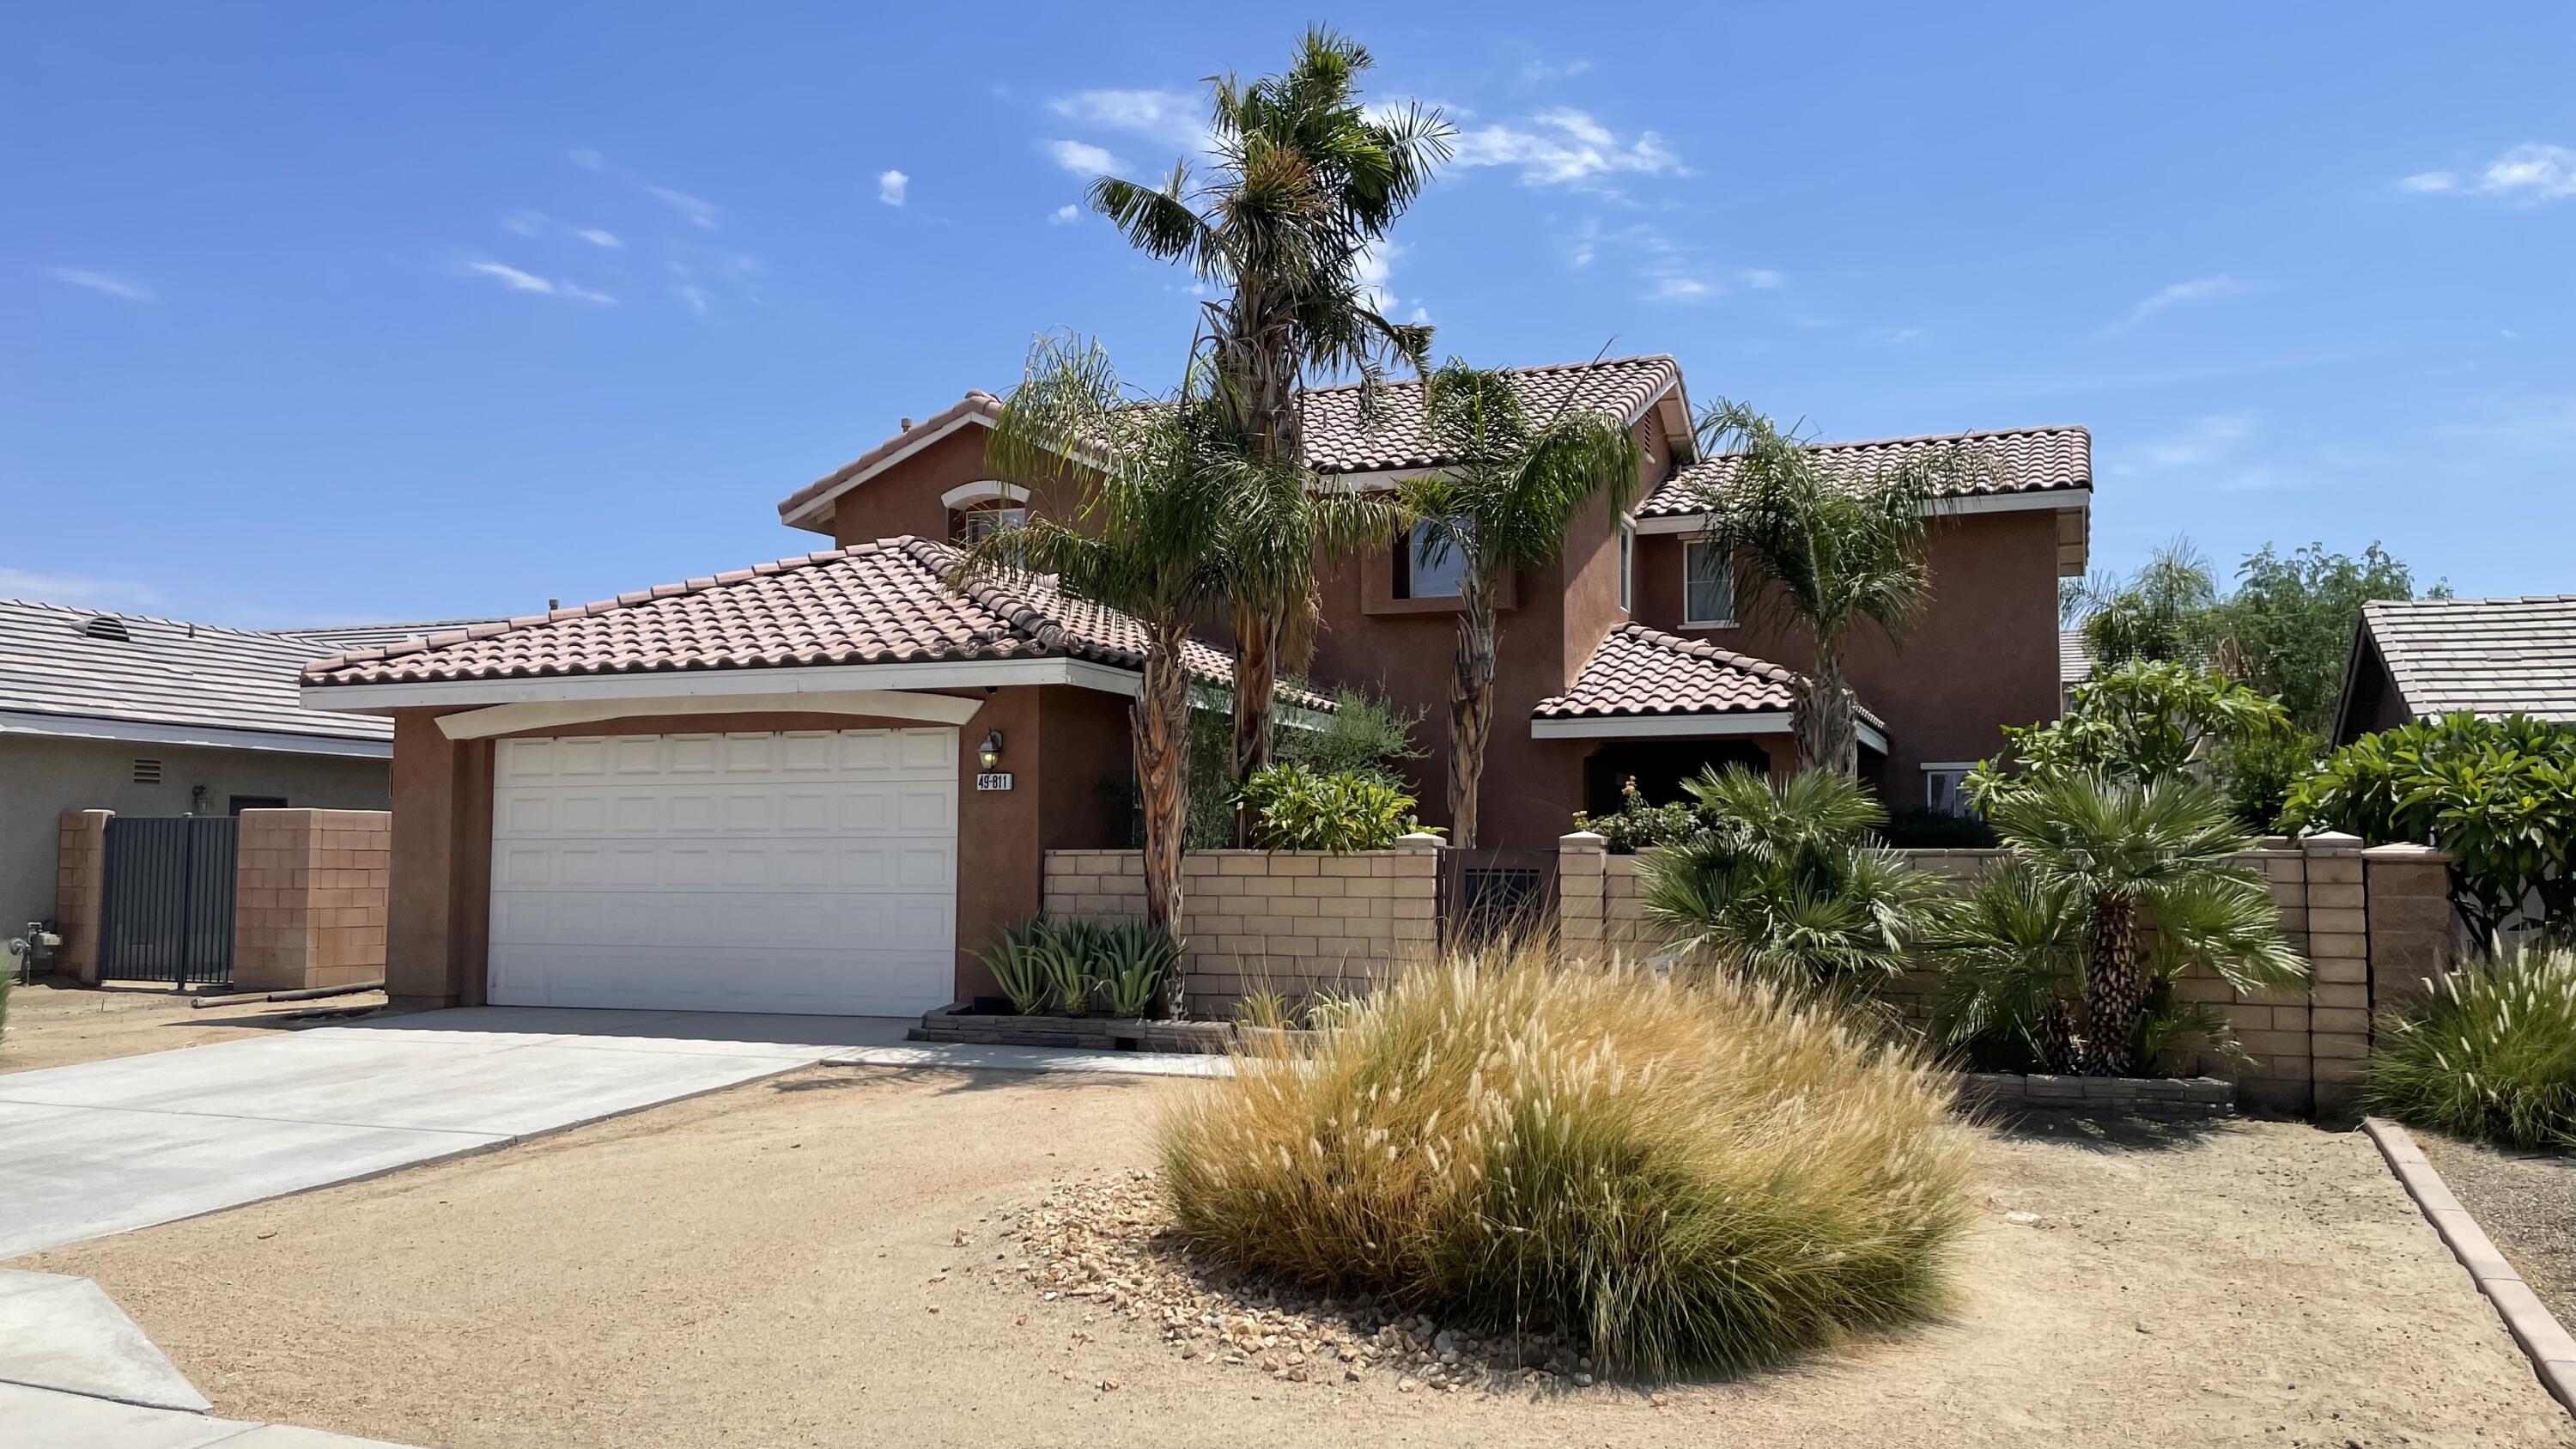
point(990, 755)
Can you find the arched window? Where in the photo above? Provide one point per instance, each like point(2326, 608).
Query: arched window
point(978, 509)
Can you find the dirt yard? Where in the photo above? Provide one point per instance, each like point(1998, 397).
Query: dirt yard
point(53, 1023)
point(815, 1259)
point(2526, 1202)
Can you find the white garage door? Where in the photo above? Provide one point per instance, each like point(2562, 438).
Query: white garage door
point(808, 871)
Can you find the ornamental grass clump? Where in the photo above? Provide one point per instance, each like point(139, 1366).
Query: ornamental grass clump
point(2490, 1054)
point(1682, 1175)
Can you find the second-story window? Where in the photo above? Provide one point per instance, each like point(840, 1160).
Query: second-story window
point(976, 524)
point(1627, 568)
point(1426, 570)
point(1708, 584)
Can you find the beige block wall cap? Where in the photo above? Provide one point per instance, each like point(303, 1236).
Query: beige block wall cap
point(1583, 840)
point(2332, 842)
point(1419, 840)
point(2407, 850)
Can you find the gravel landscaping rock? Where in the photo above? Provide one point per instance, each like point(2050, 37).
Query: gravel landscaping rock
point(2526, 1202)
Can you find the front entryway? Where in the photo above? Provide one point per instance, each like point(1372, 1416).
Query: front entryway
point(810, 871)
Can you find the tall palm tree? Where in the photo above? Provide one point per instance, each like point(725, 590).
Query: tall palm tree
point(2125, 856)
point(2167, 610)
point(1504, 502)
point(1824, 555)
point(1154, 483)
point(1305, 183)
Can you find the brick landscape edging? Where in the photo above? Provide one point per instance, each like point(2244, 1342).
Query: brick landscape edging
point(2552, 1350)
point(2188, 1099)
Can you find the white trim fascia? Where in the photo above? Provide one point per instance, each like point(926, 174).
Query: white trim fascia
point(1930, 765)
point(2067, 499)
point(824, 500)
point(981, 490)
point(502, 719)
point(146, 732)
point(1687, 726)
point(1380, 480)
point(776, 684)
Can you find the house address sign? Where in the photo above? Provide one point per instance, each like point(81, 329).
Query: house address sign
point(993, 781)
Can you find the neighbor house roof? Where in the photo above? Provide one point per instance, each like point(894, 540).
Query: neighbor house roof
point(2074, 657)
point(1991, 464)
point(1639, 672)
point(886, 602)
point(82, 672)
point(1342, 435)
point(2485, 656)
point(368, 636)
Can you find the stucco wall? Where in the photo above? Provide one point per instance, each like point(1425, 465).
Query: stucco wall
point(1293, 922)
point(2373, 923)
point(40, 778)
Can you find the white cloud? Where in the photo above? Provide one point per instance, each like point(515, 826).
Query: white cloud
point(2260, 478)
point(82, 589)
point(600, 238)
point(693, 297)
point(1677, 287)
point(700, 213)
point(107, 282)
point(1375, 266)
point(1583, 253)
point(2427, 182)
point(1761, 279)
point(2178, 294)
point(1897, 336)
point(1065, 215)
point(1566, 147)
point(1084, 159)
point(519, 281)
point(2530, 173)
point(1177, 117)
point(2197, 444)
point(1540, 72)
point(585, 158)
point(890, 186)
point(525, 223)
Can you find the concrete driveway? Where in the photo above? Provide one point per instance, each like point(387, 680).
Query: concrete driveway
point(106, 1147)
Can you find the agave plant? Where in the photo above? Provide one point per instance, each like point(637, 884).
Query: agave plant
point(1018, 959)
point(1133, 965)
point(1787, 881)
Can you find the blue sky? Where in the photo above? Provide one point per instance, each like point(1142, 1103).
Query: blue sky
point(321, 312)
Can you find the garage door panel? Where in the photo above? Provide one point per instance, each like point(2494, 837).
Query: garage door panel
point(809, 871)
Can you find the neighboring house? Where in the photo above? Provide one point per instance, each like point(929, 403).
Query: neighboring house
point(821, 784)
point(143, 716)
point(2414, 660)
point(2074, 664)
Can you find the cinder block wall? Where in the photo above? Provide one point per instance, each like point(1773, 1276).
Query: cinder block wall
point(309, 901)
point(80, 891)
point(2373, 923)
point(1288, 921)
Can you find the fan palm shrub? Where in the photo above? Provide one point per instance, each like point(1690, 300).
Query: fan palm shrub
point(1787, 881)
point(1153, 486)
point(2116, 860)
point(1824, 554)
point(2489, 1054)
point(1513, 486)
point(1679, 1174)
point(1305, 183)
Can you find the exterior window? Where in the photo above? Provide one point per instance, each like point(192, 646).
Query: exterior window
point(1708, 584)
point(976, 524)
point(1627, 568)
point(1942, 792)
point(1430, 573)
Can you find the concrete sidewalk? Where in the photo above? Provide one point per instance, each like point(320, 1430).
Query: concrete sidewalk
point(106, 1147)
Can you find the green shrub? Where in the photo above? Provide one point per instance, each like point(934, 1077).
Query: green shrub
point(2257, 773)
point(1267, 1010)
point(1788, 881)
point(1680, 1175)
point(1135, 962)
point(1019, 960)
point(1636, 825)
point(2497, 795)
point(1936, 830)
point(1295, 808)
point(1364, 735)
point(2490, 1054)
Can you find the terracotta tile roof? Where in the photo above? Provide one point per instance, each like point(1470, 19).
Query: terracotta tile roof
point(873, 603)
point(2018, 460)
point(2487, 656)
point(1639, 671)
point(70, 664)
point(1339, 439)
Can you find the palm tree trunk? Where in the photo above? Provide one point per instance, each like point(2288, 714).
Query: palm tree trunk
point(1161, 729)
point(2058, 1052)
point(1256, 683)
point(1471, 705)
point(2114, 983)
point(1827, 738)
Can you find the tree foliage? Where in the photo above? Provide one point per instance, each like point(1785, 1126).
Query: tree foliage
point(2161, 613)
point(1513, 486)
point(1823, 554)
point(2498, 796)
point(2292, 618)
point(1364, 735)
point(2147, 721)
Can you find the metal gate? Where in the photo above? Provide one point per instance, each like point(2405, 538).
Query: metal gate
point(167, 912)
point(1493, 895)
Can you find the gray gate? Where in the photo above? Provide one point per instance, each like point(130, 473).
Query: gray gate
point(167, 911)
point(1493, 895)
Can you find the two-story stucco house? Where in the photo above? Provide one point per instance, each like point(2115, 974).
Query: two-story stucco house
point(820, 784)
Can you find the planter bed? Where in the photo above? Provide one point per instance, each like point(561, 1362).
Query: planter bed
point(2010, 1094)
point(962, 1023)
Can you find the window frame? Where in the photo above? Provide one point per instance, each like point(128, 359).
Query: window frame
point(1408, 563)
point(1957, 771)
point(1689, 621)
point(1627, 566)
